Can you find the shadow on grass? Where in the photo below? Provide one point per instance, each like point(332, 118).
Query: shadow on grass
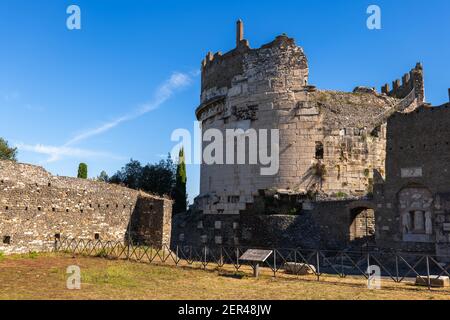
point(233, 275)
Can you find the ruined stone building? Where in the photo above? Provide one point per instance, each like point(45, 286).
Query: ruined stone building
point(330, 145)
point(412, 205)
point(329, 141)
point(354, 168)
point(37, 209)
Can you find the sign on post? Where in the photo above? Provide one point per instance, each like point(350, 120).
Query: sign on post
point(256, 256)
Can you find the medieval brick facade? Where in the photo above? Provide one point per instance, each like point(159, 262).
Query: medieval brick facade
point(412, 203)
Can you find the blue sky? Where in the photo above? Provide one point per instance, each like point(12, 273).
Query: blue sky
point(117, 88)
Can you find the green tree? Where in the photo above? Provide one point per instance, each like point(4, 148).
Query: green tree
point(103, 177)
point(158, 178)
point(179, 192)
point(132, 174)
point(82, 171)
point(6, 152)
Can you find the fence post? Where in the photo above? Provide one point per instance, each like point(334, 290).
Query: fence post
point(396, 267)
point(428, 273)
point(237, 259)
point(318, 265)
point(275, 263)
point(368, 270)
point(295, 261)
point(204, 264)
point(176, 258)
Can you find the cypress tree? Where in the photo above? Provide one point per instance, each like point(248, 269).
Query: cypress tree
point(179, 194)
point(82, 171)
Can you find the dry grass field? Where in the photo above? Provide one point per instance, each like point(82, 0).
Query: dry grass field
point(44, 276)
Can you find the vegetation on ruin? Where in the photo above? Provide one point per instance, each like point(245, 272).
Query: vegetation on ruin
point(352, 109)
point(7, 152)
point(45, 278)
point(82, 171)
point(341, 195)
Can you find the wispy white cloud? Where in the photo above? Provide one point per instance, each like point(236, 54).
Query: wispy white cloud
point(164, 92)
point(55, 153)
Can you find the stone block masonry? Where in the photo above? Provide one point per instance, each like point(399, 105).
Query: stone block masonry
point(332, 148)
point(330, 142)
point(322, 225)
point(36, 208)
point(358, 168)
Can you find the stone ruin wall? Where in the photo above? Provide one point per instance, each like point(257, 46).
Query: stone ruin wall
point(322, 225)
point(250, 100)
point(412, 80)
point(417, 182)
point(267, 88)
point(36, 207)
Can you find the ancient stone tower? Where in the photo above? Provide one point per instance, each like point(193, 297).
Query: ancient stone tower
point(329, 142)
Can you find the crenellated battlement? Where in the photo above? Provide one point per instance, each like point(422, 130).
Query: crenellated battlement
point(219, 70)
point(242, 45)
point(412, 80)
point(219, 58)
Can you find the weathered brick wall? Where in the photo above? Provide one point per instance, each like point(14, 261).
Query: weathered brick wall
point(35, 206)
point(324, 225)
point(411, 210)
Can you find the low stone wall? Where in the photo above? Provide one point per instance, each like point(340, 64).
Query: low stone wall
point(36, 208)
point(324, 225)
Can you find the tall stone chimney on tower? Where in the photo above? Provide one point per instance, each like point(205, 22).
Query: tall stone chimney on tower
point(239, 32)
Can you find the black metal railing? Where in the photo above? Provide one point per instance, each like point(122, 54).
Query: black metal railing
point(394, 266)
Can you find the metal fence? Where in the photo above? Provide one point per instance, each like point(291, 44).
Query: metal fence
point(394, 266)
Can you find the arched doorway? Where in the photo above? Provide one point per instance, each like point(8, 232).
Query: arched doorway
point(361, 222)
